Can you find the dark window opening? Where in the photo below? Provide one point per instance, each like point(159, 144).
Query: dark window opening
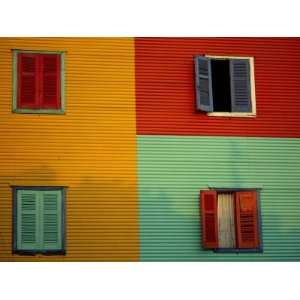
point(221, 85)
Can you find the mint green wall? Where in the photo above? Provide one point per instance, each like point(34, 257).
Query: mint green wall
point(172, 170)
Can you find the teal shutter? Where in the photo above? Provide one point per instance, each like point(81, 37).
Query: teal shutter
point(27, 220)
point(203, 82)
point(51, 220)
point(240, 85)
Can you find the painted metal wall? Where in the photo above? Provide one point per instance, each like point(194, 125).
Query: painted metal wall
point(224, 152)
point(165, 88)
point(172, 170)
point(91, 148)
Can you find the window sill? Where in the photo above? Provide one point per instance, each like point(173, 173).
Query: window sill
point(39, 111)
point(234, 250)
point(230, 114)
point(34, 252)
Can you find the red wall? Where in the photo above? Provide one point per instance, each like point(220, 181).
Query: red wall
point(166, 96)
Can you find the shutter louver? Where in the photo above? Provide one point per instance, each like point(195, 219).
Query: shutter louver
point(247, 225)
point(240, 85)
point(50, 81)
point(27, 81)
point(51, 220)
point(209, 219)
point(27, 220)
point(203, 84)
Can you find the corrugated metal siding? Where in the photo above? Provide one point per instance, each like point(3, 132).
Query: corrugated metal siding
point(91, 149)
point(166, 94)
point(172, 170)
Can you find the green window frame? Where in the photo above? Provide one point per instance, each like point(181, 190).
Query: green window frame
point(39, 220)
point(15, 108)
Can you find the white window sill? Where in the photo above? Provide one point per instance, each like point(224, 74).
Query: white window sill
point(231, 114)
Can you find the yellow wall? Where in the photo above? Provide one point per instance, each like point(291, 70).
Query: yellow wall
point(91, 149)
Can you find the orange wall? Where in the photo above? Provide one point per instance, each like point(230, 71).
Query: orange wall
point(91, 148)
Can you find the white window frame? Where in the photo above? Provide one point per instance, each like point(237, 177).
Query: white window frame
point(251, 114)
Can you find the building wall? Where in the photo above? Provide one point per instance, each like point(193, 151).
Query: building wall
point(181, 151)
point(117, 87)
point(165, 88)
point(172, 170)
point(91, 149)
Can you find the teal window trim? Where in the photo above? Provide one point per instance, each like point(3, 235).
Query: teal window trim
point(15, 250)
point(15, 109)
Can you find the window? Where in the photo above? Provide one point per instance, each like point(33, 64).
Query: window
point(38, 82)
point(38, 220)
point(230, 220)
point(225, 86)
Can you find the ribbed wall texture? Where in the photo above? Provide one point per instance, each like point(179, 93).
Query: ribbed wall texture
point(91, 149)
point(165, 88)
point(172, 170)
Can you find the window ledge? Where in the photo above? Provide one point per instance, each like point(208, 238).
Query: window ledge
point(231, 114)
point(237, 250)
point(39, 252)
point(39, 111)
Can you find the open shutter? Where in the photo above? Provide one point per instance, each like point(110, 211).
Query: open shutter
point(51, 225)
point(203, 82)
point(247, 225)
point(27, 95)
point(240, 85)
point(50, 81)
point(27, 220)
point(209, 219)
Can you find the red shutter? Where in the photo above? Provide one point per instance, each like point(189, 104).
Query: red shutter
point(27, 93)
point(50, 81)
point(246, 215)
point(209, 219)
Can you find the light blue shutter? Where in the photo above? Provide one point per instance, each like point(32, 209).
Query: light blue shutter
point(240, 85)
point(51, 220)
point(203, 81)
point(27, 220)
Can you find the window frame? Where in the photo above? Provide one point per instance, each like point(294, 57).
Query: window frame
point(15, 108)
point(251, 114)
point(259, 222)
point(15, 249)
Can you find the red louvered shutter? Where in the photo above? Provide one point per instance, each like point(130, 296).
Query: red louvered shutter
point(246, 215)
point(209, 219)
point(27, 94)
point(50, 81)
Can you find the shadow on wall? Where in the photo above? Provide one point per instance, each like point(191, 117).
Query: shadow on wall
point(104, 198)
point(163, 226)
point(38, 176)
point(235, 173)
point(101, 214)
point(102, 218)
point(161, 212)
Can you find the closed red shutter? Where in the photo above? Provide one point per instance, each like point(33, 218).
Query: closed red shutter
point(27, 94)
point(50, 81)
point(247, 225)
point(209, 219)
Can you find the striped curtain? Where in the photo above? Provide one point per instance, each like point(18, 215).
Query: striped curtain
point(226, 220)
